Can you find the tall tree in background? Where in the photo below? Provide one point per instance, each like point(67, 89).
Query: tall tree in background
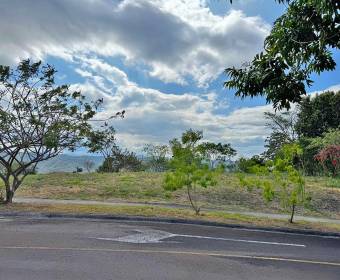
point(318, 114)
point(157, 157)
point(301, 42)
point(318, 123)
point(38, 120)
point(283, 132)
point(216, 153)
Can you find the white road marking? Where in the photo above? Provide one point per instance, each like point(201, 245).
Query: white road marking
point(157, 236)
point(240, 240)
point(241, 229)
point(146, 236)
point(288, 233)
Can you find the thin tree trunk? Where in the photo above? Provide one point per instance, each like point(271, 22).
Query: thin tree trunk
point(292, 214)
point(197, 209)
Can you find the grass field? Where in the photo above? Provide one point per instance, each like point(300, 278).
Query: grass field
point(147, 187)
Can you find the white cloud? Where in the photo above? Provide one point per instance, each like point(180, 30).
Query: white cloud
point(334, 88)
point(176, 39)
point(154, 116)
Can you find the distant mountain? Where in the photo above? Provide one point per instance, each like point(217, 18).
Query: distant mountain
point(67, 163)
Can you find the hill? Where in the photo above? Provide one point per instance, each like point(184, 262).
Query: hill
point(67, 163)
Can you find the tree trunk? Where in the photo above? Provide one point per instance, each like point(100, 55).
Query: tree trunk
point(292, 214)
point(195, 207)
point(9, 196)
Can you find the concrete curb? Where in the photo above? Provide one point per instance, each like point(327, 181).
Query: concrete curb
point(167, 220)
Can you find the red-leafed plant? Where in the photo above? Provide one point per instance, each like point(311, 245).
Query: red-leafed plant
point(329, 158)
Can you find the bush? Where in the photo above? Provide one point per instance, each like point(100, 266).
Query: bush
point(329, 158)
point(121, 160)
point(250, 165)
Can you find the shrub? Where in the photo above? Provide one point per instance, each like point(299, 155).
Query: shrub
point(329, 158)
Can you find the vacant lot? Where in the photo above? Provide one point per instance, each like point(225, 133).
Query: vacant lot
point(147, 187)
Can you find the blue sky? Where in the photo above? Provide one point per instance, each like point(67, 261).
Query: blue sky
point(160, 60)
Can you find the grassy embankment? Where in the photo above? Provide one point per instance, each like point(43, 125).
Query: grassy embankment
point(147, 187)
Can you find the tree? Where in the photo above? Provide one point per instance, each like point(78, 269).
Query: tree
point(250, 165)
point(329, 158)
point(89, 164)
point(216, 152)
point(280, 179)
point(157, 157)
point(102, 141)
point(115, 159)
point(187, 167)
point(300, 43)
point(119, 160)
point(318, 119)
point(283, 132)
point(318, 114)
point(38, 120)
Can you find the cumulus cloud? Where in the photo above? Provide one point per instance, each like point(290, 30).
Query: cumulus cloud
point(174, 40)
point(334, 88)
point(177, 39)
point(155, 116)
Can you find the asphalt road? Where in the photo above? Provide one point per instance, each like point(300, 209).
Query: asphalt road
point(33, 249)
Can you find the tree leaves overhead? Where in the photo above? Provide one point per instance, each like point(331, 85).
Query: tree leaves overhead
point(301, 42)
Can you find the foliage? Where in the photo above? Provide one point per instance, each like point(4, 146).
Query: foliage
point(280, 179)
point(329, 158)
point(300, 43)
point(220, 153)
point(119, 160)
point(250, 165)
point(38, 120)
point(331, 137)
point(312, 146)
point(102, 141)
point(115, 159)
point(157, 157)
point(318, 114)
point(188, 169)
point(283, 132)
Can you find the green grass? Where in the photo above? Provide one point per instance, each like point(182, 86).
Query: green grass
point(147, 187)
point(163, 212)
point(333, 183)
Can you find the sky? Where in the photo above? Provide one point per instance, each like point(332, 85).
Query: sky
point(161, 61)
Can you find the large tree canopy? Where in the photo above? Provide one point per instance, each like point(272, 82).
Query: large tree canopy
point(38, 120)
point(318, 114)
point(301, 42)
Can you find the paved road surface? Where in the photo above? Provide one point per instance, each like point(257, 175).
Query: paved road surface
point(33, 249)
point(171, 205)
